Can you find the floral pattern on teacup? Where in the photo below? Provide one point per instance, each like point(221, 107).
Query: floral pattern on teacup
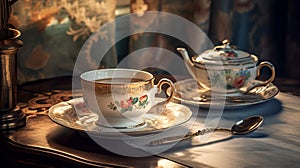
point(129, 104)
point(232, 80)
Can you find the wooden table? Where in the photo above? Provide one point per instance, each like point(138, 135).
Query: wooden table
point(43, 143)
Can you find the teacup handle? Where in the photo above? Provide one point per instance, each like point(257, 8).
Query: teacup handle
point(159, 85)
point(257, 83)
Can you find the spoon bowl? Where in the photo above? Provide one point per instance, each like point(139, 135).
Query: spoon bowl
point(247, 125)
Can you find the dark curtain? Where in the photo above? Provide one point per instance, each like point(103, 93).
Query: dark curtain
point(265, 28)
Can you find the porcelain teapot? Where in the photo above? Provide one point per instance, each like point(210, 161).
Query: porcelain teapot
point(226, 69)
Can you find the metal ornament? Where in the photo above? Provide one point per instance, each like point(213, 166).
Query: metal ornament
point(11, 117)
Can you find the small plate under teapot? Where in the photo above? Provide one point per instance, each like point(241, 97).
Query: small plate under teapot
point(189, 92)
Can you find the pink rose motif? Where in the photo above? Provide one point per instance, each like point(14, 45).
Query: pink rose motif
point(239, 82)
point(78, 105)
point(125, 104)
point(230, 54)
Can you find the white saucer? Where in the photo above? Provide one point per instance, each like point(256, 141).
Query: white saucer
point(64, 114)
point(189, 92)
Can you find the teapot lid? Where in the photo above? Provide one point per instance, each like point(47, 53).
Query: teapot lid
point(225, 54)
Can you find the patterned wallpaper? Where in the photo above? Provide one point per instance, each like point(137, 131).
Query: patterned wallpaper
point(53, 33)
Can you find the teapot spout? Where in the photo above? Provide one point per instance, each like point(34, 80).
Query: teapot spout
point(186, 57)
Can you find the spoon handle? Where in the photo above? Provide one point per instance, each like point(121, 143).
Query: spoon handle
point(187, 136)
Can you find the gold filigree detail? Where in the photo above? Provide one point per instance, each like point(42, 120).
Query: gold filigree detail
point(103, 89)
point(40, 104)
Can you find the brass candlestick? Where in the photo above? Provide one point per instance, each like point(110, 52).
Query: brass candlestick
point(11, 117)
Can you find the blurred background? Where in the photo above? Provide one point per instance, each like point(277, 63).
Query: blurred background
point(54, 31)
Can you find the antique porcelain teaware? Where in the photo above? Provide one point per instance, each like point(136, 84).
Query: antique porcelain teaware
point(225, 69)
point(121, 97)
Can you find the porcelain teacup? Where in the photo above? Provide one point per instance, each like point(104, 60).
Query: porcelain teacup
point(120, 97)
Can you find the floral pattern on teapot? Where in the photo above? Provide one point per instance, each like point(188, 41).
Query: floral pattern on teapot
point(229, 54)
point(231, 80)
point(129, 104)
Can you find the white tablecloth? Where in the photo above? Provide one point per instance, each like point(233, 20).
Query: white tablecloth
point(276, 143)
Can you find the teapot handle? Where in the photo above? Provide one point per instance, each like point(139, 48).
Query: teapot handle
point(257, 83)
point(271, 67)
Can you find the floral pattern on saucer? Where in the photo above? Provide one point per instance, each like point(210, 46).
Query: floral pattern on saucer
point(74, 115)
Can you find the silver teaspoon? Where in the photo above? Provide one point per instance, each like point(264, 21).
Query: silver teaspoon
point(241, 127)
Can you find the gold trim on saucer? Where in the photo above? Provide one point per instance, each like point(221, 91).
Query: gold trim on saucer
point(189, 92)
point(65, 115)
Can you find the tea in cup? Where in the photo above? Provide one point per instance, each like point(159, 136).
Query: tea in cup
point(120, 97)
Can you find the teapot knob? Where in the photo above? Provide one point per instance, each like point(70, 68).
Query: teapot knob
point(225, 46)
point(226, 43)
